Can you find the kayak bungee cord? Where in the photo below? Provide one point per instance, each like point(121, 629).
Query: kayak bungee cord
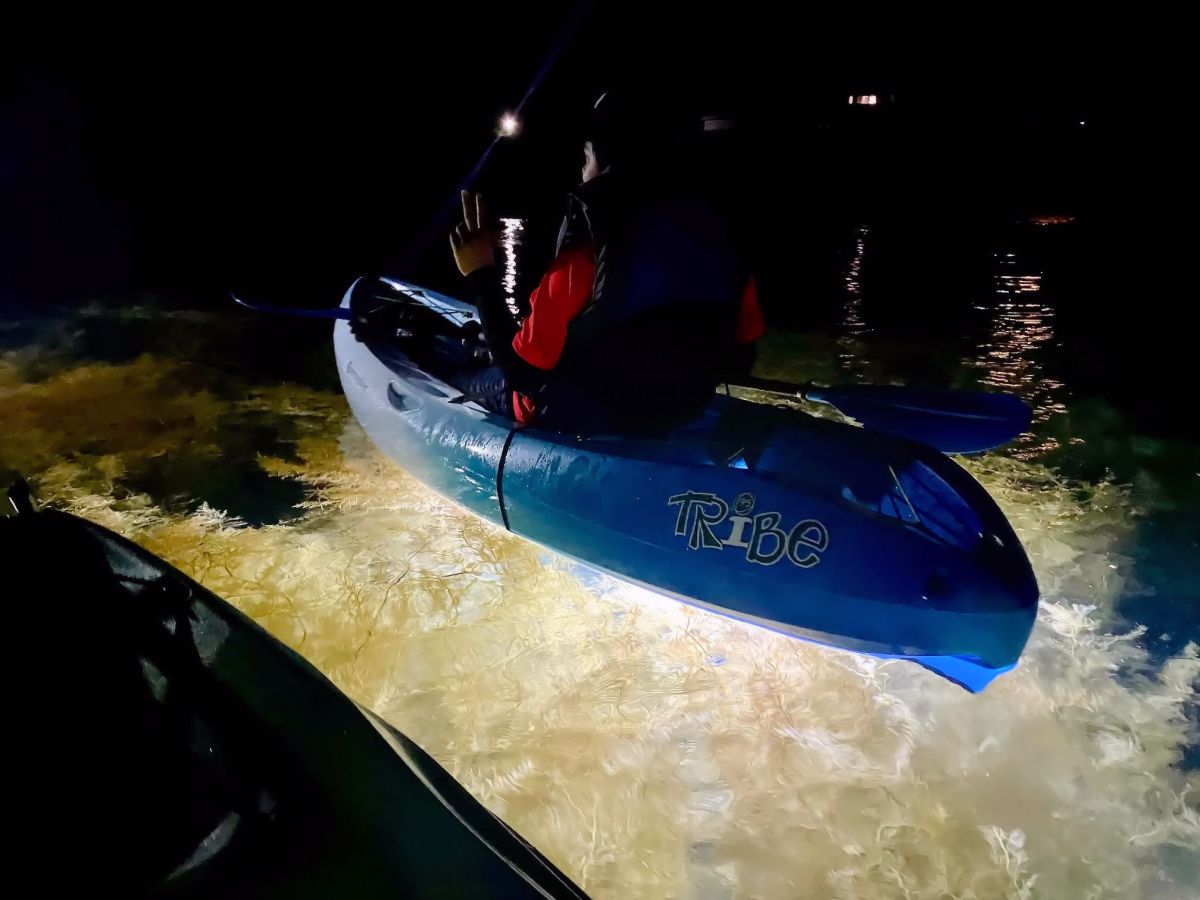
point(512, 432)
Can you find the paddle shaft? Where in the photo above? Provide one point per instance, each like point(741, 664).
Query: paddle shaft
point(782, 388)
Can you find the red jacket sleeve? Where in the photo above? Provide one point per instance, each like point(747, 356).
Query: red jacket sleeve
point(562, 293)
point(750, 326)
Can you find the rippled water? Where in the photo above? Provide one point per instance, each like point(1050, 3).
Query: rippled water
point(1021, 324)
point(650, 749)
point(853, 328)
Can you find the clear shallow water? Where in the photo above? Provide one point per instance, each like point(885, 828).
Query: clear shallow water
point(650, 749)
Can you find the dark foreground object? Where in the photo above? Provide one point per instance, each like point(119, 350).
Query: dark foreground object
point(175, 749)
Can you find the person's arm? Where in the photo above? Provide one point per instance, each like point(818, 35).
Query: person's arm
point(500, 328)
point(471, 243)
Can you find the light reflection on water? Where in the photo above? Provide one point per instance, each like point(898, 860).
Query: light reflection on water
point(1010, 356)
point(853, 328)
point(510, 241)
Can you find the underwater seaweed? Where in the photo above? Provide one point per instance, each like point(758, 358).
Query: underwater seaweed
point(648, 748)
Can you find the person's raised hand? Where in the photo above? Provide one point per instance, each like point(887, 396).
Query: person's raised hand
point(471, 240)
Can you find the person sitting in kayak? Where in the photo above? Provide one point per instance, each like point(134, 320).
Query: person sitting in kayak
point(647, 307)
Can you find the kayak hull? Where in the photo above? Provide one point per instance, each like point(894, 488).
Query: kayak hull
point(810, 527)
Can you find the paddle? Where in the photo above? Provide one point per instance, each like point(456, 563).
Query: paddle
point(948, 420)
point(336, 312)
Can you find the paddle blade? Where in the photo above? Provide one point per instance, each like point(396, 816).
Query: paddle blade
point(337, 312)
point(947, 420)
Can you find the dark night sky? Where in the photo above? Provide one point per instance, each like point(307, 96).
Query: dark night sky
point(284, 159)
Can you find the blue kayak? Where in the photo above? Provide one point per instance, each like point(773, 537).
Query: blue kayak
point(818, 529)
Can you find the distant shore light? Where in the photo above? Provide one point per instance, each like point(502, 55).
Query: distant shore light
point(509, 124)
